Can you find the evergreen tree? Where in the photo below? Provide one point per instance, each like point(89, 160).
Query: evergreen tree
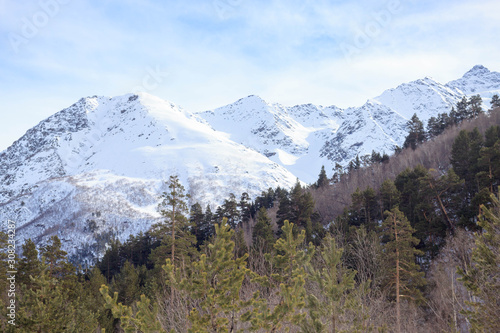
point(126, 283)
point(262, 230)
point(290, 262)
point(56, 258)
point(230, 211)
point(245, 208)
point(474, 106)
point(462, 111)
point(49, 307)
point(389, 195)
point(197, 220)
point(416, 133)
point(483, 279)
point(214, 283)
point(399, 250)
point(495, 101)
point(175, 230)
point(143, 318)
point(29, 263)
point(336, 286)
point(322, 178)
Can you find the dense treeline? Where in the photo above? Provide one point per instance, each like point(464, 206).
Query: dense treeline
point(416, 251)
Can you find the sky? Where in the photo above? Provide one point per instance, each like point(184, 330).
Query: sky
point(202, 54)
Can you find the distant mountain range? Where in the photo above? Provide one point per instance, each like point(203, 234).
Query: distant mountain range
point(95, 169)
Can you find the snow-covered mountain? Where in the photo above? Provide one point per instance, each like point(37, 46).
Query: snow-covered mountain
point(302, 138)
point(95, 170)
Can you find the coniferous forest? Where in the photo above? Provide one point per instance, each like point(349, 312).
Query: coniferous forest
point(403, 243)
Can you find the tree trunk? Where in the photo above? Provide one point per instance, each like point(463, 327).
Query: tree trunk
point(398, 313)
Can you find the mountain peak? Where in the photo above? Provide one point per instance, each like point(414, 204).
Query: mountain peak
point(477, 70)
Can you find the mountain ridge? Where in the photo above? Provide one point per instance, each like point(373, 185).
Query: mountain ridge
point(110, 156)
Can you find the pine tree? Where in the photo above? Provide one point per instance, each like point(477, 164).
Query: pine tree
point(416, 133)
point(196, 220)
point(245, 208)
point(143, 318)
point(49, 307)
point(336, 285)
point(462, 111)
point(290, 262)
point(59, 267)
point(230, 211)
point(399, 250)
point(495, 101)
point(483, 279)
point(474, 106)
point(214, 283)
point(175, 230)
point(29, 264)
point(389, 195)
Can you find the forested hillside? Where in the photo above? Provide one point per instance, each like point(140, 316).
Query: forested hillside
point(401, 243)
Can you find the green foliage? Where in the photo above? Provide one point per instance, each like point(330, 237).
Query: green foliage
point(290, 262)
point(416, 133)
point(495, 101)
point(483, 279)
point(262, 230)
point(322, 178)
point(399, 253)
point(143, 319)
point(175, 231)
point(214, 283)
point(336, 285)
point(47, 306)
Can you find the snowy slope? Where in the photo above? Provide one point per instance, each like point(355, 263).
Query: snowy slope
point(302, 138)
point(110, 157)
point(95, 170)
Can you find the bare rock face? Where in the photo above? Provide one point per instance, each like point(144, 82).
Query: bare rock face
point(94, 171)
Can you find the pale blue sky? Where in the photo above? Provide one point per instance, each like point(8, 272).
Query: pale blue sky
point(205, 54)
